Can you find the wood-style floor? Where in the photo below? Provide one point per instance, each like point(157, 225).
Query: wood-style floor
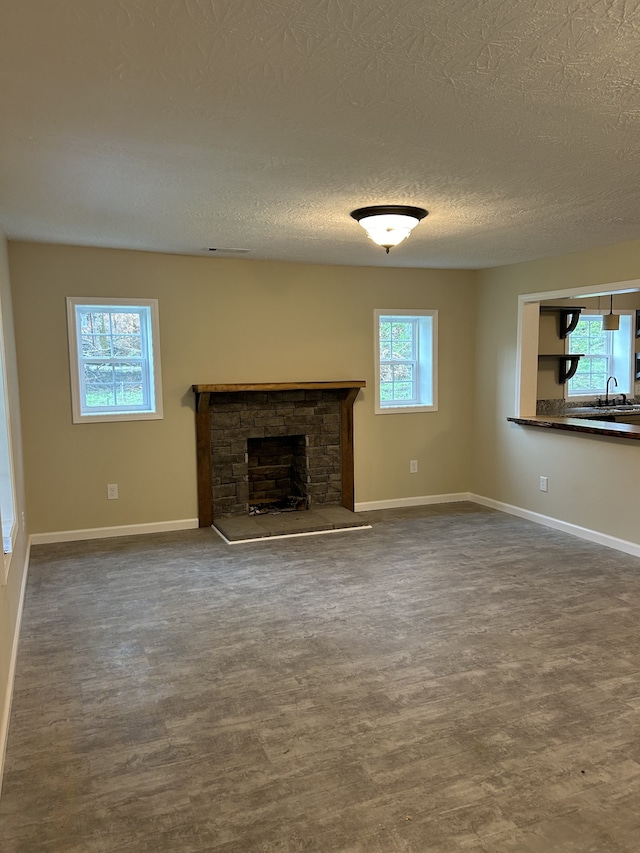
point(454, 679)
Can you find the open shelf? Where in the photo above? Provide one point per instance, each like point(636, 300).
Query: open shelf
point(568, 317)
point(567, 365)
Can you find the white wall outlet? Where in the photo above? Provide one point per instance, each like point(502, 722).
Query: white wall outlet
point(413, 466)
point(112, 491)
point(544, 484)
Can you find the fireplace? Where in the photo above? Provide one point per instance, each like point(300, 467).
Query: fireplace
point(299, 434)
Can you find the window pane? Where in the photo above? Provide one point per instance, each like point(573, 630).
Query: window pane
point(98, 388)
point(402, 350)
point(95, 322)
point(386, 391)
point(99, 395)
point(131, 395)
point(397, 344)
point(125, 323)
point(129, 384)
point(98, 373)
point(96, 346)
point(403, 372)
point(403, 391)
point(591, 375)
point(128, 372)
point(589, 337)
point(581, 383)
point(402, 331)
point(127, 345)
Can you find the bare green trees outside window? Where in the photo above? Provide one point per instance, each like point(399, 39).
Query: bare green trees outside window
point(406, 361)
point(115, 359)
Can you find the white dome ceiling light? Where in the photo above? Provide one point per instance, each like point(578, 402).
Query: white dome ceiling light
point(389, 224)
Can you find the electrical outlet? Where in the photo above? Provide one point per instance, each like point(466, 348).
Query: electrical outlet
point(544, 484)
point(413, 466)
point(112, 491)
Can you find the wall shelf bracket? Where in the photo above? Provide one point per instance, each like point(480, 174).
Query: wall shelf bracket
point(568, 318)
point(567, 365)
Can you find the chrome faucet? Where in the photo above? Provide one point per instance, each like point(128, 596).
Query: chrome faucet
point(606, 396)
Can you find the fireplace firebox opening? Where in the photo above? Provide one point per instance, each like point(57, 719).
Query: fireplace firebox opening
point(278, 472)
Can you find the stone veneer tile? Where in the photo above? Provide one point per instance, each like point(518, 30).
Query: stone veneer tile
point(236, 417)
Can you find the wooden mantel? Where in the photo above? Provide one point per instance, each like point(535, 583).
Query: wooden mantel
point(203, 392)
point(349, 389)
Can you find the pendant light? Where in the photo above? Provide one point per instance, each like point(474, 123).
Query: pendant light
point(389, 224)
point(611, 321)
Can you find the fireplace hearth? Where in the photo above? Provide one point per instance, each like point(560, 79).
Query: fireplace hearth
point(270, 442)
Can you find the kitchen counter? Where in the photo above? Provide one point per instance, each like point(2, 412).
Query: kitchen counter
point(594, 411)
point(583, 423)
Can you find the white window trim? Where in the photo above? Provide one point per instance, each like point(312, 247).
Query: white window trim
point(102, 417)
point(409, 408)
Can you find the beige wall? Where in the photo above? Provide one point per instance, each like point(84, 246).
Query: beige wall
point(238, 320)
point(10, 593)
point(593, 482)
point(227, 321)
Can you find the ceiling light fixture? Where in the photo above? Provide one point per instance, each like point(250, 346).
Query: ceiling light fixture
point(611, 321)
point(389, 224)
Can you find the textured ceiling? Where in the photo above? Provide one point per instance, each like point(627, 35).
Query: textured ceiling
point(175, 125)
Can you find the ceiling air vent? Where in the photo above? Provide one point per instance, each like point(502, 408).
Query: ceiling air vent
point(223, 250)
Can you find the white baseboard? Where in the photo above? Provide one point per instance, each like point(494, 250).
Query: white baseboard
point(423, 500)
point(109, 532)
point(565, 526)
point(6, 714)
point(624, 545)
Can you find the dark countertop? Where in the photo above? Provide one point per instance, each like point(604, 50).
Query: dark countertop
point(606, 429)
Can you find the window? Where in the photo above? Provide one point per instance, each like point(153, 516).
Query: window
point(115, 359)
point(406, 360)
point(7, 488)
point(604, 354)
point(7, 506)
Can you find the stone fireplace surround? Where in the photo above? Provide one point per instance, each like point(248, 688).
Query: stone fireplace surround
point(227, 415)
